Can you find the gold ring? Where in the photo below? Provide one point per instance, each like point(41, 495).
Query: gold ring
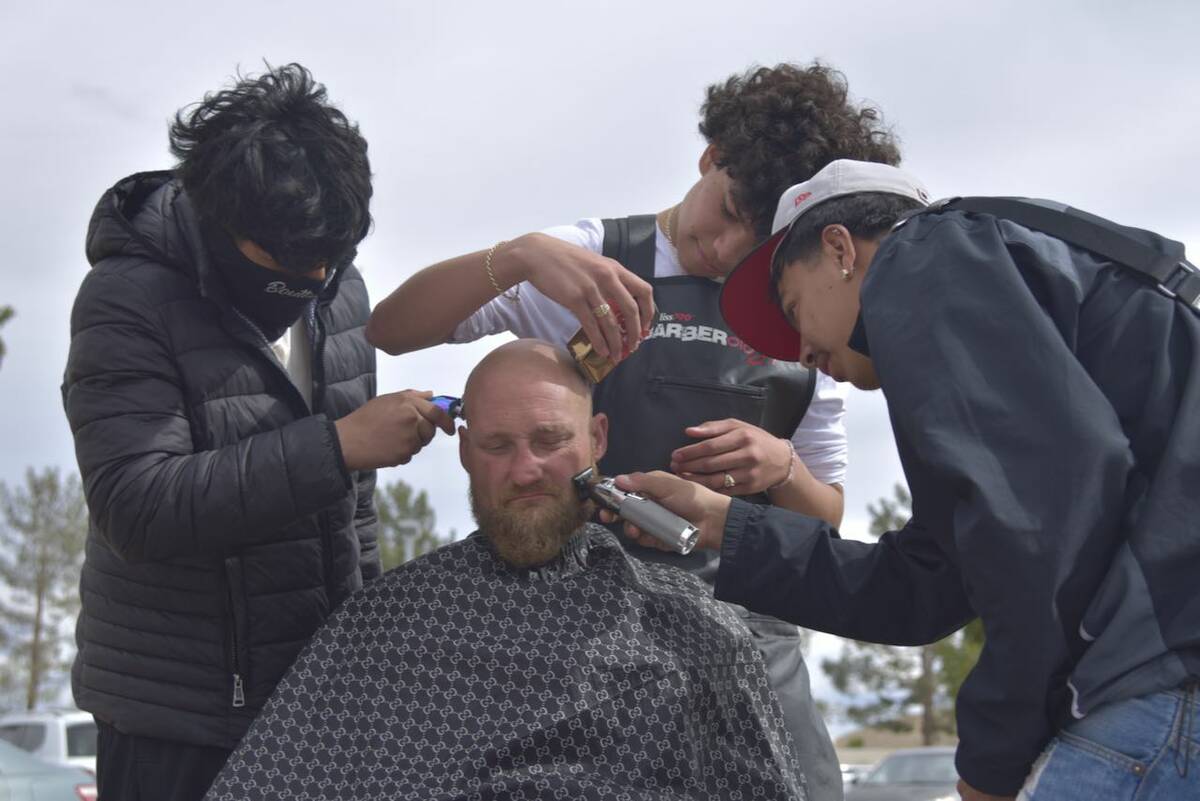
point(729, 482)
point(603, 310)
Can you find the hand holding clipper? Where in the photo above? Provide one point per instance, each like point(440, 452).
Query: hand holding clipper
point(650, 517)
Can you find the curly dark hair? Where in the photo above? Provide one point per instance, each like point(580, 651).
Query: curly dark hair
point(778, 126)
point(270, 160)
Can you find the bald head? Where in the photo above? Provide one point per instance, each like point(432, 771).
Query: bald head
point(519, 365)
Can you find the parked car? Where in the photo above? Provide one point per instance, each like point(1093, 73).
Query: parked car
point(909, 774)
point(64, 737)
point(852, 772)
point(24, 777)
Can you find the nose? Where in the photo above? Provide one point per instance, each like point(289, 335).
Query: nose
point(527, 467)
point(732, 245)
point(726, 250)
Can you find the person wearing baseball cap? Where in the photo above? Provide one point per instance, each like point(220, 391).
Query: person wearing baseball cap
point(1047, 415)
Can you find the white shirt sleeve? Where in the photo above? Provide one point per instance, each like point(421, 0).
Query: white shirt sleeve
point(820, 439)
point(532, 314)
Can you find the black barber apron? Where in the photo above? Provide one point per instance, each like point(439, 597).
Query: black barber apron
point(690, 370)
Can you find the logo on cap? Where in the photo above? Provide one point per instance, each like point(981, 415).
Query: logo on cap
point(800, 198)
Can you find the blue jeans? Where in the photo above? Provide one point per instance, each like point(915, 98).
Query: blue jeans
point(1140, 749)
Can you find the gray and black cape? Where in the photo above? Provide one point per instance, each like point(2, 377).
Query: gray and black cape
point(457, 676)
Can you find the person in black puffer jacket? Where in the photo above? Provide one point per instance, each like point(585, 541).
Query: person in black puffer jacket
point(219, 389)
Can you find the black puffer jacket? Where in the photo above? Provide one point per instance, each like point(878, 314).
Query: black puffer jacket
point(225, 525)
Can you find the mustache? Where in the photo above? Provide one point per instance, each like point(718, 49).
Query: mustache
point(557, 490)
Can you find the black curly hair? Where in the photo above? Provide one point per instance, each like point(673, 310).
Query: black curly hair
point(270, 160)
point(773, 127)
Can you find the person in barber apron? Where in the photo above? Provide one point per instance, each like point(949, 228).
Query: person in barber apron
point(687, 395)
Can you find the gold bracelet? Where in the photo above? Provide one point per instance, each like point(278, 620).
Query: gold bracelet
point(487, 266)
point(791, 466)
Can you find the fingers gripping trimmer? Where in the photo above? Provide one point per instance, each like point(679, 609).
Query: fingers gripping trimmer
point(655, 520)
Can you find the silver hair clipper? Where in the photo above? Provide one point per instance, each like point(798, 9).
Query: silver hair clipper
point(660, 523)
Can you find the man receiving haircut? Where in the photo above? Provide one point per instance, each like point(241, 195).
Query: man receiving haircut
point(535, 659)
point(219, 389)
point(693, 398)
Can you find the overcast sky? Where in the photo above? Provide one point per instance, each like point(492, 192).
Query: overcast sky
point(490, 119)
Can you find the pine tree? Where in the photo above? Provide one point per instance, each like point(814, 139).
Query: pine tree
point(898, 680)
point(41, 551)
point(407, 524)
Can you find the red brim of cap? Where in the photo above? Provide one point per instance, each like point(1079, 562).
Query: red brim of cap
point(747, 306)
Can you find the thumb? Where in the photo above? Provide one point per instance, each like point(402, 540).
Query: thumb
point(655, 484)
point(710, 428)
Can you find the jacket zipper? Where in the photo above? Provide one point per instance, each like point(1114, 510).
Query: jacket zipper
point(239, 690)
point(316, 331)
point(316, 346)
point(317, 351)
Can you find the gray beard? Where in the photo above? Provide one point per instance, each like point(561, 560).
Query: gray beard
point(530, 537)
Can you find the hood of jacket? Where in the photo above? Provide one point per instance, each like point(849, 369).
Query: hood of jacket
point(149, 215)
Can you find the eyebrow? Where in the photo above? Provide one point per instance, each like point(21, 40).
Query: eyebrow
point(553, 431)
point(550, 430)
point(495, 438)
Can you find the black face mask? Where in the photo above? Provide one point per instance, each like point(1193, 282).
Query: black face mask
point(273, 300)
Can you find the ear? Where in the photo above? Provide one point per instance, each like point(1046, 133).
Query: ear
point(838, 244)
point(464, 442)
point(599, 431)
point(708, 159)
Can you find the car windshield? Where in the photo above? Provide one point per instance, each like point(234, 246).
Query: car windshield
point(28, 736)
point(81, 739)
point(914, 769)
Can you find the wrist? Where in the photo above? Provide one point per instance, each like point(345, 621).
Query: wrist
point(511, 263)
point(335, 443)
point(722, 516)
point(793, 458)
point(732, 525)
point(343, 430)
point(712, 527)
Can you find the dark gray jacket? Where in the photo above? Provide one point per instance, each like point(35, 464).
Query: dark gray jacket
point(1046, 406)
point(224, 524)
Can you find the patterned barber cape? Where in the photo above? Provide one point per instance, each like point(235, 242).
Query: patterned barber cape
point(459, 677)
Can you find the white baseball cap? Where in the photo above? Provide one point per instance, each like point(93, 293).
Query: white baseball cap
point(746, 302)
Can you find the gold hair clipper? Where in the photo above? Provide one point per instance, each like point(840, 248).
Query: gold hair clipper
point(593, 365)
